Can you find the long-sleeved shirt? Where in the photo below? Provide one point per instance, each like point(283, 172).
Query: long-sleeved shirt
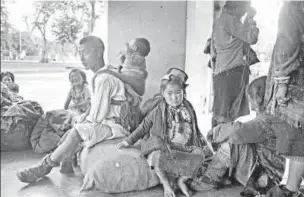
point(229, 37)
point(106, 88)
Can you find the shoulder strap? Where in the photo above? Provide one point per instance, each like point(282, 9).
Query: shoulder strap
point(138, 87)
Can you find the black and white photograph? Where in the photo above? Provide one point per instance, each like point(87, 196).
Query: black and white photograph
point(152, 98)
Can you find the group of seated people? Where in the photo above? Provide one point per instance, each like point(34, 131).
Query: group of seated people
point(251, 153)
point(173, 145)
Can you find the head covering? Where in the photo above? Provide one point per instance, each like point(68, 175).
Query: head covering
point(176, 72)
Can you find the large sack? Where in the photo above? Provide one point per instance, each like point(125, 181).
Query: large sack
point(110, 170)
point(17, 123)
point(49, 129)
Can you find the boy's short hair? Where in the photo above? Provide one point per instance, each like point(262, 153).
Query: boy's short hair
point(256, 90)
point(143, 46)
point(13, 87)
point(94, 41)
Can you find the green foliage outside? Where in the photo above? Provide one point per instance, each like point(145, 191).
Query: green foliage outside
point(67, 21)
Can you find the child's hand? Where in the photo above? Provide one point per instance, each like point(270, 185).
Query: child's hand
point(210, 135)
point(122, 57)
point(123, 144)
point(198, 151)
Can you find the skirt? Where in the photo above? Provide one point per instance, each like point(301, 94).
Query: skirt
point(177, 163)
point(230, 101)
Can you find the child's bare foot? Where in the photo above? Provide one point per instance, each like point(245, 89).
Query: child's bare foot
point(168, 191)
point(182, 185)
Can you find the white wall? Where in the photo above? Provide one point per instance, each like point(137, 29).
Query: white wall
point(199, 28)
point(178, 31)
point(163, 23)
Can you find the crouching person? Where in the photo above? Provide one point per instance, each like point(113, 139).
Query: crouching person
point(175, 148)
point(99, 124)
point(247, 150)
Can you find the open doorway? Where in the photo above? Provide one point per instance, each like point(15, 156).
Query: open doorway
point(267, 21)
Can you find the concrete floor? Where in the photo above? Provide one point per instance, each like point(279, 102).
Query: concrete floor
point(39, 82)
point(62, 185)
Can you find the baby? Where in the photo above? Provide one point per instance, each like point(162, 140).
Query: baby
point(14, 89)
point(134, 65)
point(133, 58)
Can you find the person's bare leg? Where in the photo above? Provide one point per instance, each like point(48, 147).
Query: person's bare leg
point(168, 191)
point(67, 148)
point(295, 175)
point(181, 182)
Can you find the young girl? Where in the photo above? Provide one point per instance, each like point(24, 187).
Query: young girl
point(79, 93)
point(7, 78)
point(175, 147)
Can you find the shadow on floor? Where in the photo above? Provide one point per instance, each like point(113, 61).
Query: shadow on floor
point(63, 185)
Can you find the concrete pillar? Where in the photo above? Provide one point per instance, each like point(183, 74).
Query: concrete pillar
point(199, 28)
point(163, 23)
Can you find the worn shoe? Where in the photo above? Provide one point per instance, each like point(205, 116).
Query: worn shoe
point(32, 174)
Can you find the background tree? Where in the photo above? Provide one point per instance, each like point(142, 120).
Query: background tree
point(66, 29)
point(43, 12)
point(91, 11)
point(5, 26)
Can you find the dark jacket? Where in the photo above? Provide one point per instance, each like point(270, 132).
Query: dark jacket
point(155, 124)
